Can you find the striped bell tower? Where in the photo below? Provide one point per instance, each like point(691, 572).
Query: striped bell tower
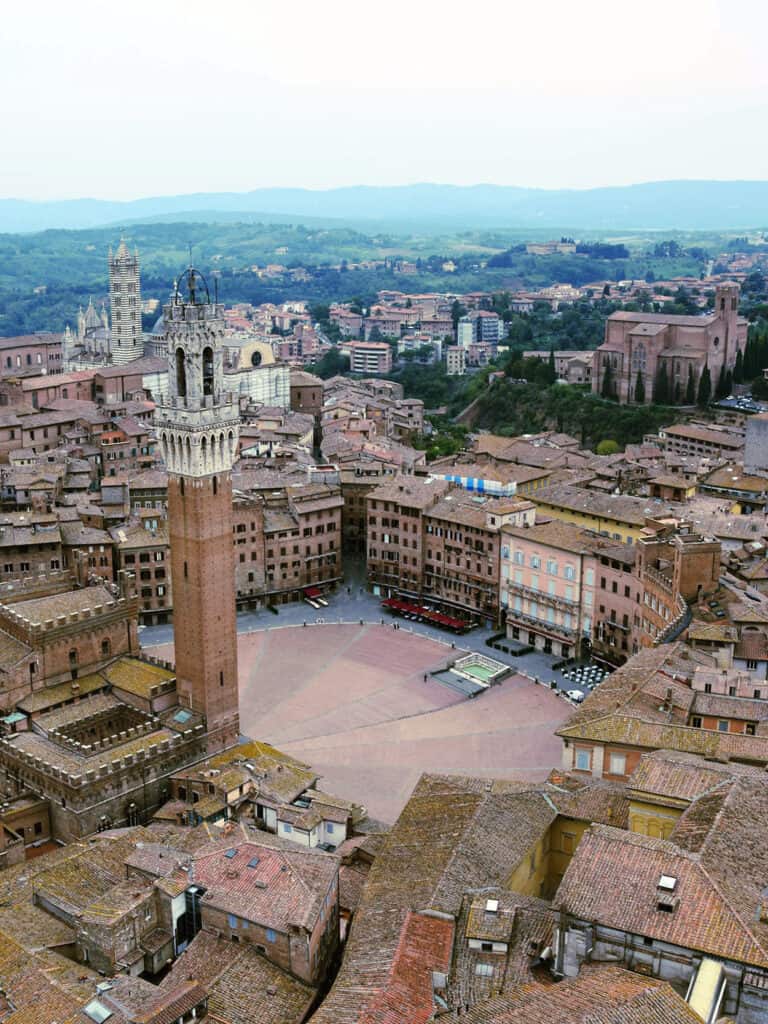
point(126, 340)
point(197, 427)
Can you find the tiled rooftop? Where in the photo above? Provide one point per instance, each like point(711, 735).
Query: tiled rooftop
point(137, 676)
point(613, 879)
point(599, 995)
point(454, 834)
point(243, 986)
point(295, 883)
point(41, 609)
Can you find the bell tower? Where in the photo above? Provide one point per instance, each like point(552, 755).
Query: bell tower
point(126, 341)
point(197, 426)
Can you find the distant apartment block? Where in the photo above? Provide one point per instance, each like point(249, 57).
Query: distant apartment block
point(455, 361)
point(369, 356)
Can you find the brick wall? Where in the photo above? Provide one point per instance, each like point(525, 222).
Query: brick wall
point(202, 567)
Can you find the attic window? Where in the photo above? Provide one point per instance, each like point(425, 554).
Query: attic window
point(253, 862)
point(491, 906)
point(230, 854)
point(667, 883)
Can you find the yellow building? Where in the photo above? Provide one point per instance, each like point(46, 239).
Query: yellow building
point(617, 516)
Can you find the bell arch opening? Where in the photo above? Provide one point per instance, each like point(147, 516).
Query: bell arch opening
point(181, 374)
point(207, 370)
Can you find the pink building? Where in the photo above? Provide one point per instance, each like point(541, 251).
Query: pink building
point(566, 589)
point(30, 354)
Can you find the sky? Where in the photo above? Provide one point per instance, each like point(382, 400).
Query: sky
point(159, 97)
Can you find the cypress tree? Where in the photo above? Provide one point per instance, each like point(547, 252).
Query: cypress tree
point(728, 382)
point(661, 386)
point(738, 369)
point(690, 388)
point(761, 353)
point(640, 389)
point(705, 387)
point(720, 391)
point(748, 367)
point(552, 367)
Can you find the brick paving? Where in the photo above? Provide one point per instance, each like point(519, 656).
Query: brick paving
point(352, 701)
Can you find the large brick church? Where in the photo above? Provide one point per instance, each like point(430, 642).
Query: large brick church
point(637, 345)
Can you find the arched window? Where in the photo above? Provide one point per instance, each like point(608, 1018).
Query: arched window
point(208, 370)
point(181, 374)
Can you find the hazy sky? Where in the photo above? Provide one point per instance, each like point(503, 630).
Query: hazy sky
point(152, 97)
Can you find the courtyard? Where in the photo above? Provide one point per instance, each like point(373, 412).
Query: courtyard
point(351, 699)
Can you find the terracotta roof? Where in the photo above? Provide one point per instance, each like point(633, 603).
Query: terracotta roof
point(684, 777)
point(39, 700)
point(156, 859)
point(721, 632)
point(689, 431)
point(295, 883)
point(11, 650)
point(137, 676)
point(454, 834)
point(753, 646)
point(243, 986)
point(407, 998)
point(663, 318)
point(729, 707)
point(648, 673)
point(352, 879)
point(411, 492)
point(70, 602)
point(599, 995)
point(617, 507)
point(613, 878)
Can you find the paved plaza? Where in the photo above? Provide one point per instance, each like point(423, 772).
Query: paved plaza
point(351, 700)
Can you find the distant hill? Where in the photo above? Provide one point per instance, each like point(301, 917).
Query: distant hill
point(680, 205)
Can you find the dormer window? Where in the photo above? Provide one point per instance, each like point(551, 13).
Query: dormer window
point(666, 900)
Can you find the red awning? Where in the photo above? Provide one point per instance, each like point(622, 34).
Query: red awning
point(312, 592)
point(406, 608)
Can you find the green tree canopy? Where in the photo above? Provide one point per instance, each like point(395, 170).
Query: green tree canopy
point(608, 447)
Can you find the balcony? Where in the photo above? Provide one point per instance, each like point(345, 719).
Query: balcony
point(615, 625)
point(555, 600)
point(521, 619)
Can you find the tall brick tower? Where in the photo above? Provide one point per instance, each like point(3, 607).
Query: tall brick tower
point(126, 341)
point(197, 425)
